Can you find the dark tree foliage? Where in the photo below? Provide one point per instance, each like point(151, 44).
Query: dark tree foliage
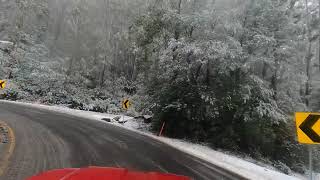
point(224, 82)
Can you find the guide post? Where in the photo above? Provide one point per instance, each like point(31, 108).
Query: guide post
point(310, 163)
point(125, 105)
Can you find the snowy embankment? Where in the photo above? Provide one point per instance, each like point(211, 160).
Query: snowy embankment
point(229, 162)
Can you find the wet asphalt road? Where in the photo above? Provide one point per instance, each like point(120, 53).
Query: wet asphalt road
point(48, 140)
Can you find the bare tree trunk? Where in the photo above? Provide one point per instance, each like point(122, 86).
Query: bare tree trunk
point(158, 3)
point(69, 71)
point(75, 53)
point(107, 39)
point(319, 49)
point(179, 6)
point(101, 83)
point(59, 22)
point(308, 56)
point(274, 79)
point(319, 36)
point(264, 70)
point(308, 71)
point(177, 29)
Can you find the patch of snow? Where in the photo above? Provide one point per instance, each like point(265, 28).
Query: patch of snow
point(147, 116)
point(6, 42)
point(5, 45)
point(229, 162)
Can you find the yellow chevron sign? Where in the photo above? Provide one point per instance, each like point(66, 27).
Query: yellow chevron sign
point(308, 127)
point(2, 84)
point(126, 104)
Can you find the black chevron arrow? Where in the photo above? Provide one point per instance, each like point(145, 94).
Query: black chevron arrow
point(307, 125)
point(126, 104)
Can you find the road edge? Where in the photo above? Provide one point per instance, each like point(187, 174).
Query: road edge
point(9, 150)
point(55, 108)
point(246, 174)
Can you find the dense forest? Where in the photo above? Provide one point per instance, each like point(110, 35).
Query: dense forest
point(228, 73)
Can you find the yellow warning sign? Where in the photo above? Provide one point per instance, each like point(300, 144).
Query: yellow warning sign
point(2, 84)
point(126, 104)
point(308, 127)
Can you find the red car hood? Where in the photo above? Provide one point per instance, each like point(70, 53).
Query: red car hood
point(98, 173)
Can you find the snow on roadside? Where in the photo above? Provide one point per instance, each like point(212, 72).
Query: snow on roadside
point(234, 164)
point(6, 42)
point(5, 45)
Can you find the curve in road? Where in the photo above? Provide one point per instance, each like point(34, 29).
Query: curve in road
point(48, 140)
